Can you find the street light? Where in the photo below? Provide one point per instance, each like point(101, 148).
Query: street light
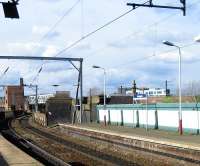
point(104, 99)
point(180, 104)
point(104, 96)
point(197, 39)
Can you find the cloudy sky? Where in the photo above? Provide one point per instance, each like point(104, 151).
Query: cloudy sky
point(129, 49)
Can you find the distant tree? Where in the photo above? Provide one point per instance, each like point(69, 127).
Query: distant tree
point(193, 89)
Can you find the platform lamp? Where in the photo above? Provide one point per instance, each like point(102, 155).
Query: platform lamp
point(104, 85)
point(180, 103)
point(55, 86)
point(197, 39)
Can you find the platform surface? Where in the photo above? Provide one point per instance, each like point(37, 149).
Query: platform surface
point(172, 138)
point(11, 155)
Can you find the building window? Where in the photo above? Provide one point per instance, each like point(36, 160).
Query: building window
point(159, 92)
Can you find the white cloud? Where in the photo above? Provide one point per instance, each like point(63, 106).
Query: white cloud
point(18, 48)
point(187, 57)
point(50, 51)
point(40, 30)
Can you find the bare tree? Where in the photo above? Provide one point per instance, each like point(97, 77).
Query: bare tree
point(193, 89)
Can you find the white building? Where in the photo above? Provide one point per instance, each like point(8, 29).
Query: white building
point(152, 92)
point(41, 98)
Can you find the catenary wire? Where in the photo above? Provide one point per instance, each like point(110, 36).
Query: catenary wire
point(93, 32)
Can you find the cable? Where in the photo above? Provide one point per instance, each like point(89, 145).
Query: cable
point(149, 57)
point(58, 22)
point(93, 32)
point(133, 34)
point(4, 73)
point(138, 32)
point(154, 55)
point(53, 27)
point(39, 71)
point(110, 22)
point(82, 19)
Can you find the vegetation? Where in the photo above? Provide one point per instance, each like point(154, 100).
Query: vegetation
point(197, 98)
point(168, 99)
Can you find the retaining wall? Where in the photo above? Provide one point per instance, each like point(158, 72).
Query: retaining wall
point(163, 116)
point(40, 118)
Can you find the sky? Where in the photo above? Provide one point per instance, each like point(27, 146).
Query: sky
point(129, 49)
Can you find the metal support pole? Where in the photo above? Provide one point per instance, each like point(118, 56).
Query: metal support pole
point(180, 127)
point(104, 99)
point(138, 119)
point(133, 118)
point(77, 104)
point(104, 95)
point(180, 102)
point(81, 91)
point(36, 98)
point(56, 59)
point(147, 113)
point(197, 118)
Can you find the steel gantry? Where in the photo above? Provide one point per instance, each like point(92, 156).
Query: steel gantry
point(150, 4)
point(79, 100)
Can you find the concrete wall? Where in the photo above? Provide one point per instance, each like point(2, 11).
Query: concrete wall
point(163, 116)
point(40, 118)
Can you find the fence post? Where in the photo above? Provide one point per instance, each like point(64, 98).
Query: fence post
point(156, 119)
point(109, 121)
point(98, 120)
point(122, 118)
point(138, 119)
point(133, 119)
point(197, 119)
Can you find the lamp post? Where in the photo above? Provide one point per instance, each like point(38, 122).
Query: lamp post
point(197, 39)
point(180, 103)
point(146, 111)
point(104, 91)
point(55, 87)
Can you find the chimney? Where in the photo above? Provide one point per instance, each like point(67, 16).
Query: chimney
point(21, 82)
point(134, 87)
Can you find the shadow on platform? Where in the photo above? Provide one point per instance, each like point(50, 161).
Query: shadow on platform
point(3, 125)
point(3, 161)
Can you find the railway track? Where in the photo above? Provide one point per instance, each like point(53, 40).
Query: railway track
point(88, 152)
point(31, 149)
point(94, 156)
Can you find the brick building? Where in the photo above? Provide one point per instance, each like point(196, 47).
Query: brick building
point(14, 97)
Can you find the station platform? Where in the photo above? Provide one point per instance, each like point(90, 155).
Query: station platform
point(11, 155)
point(187, 140)
point(186, 146)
